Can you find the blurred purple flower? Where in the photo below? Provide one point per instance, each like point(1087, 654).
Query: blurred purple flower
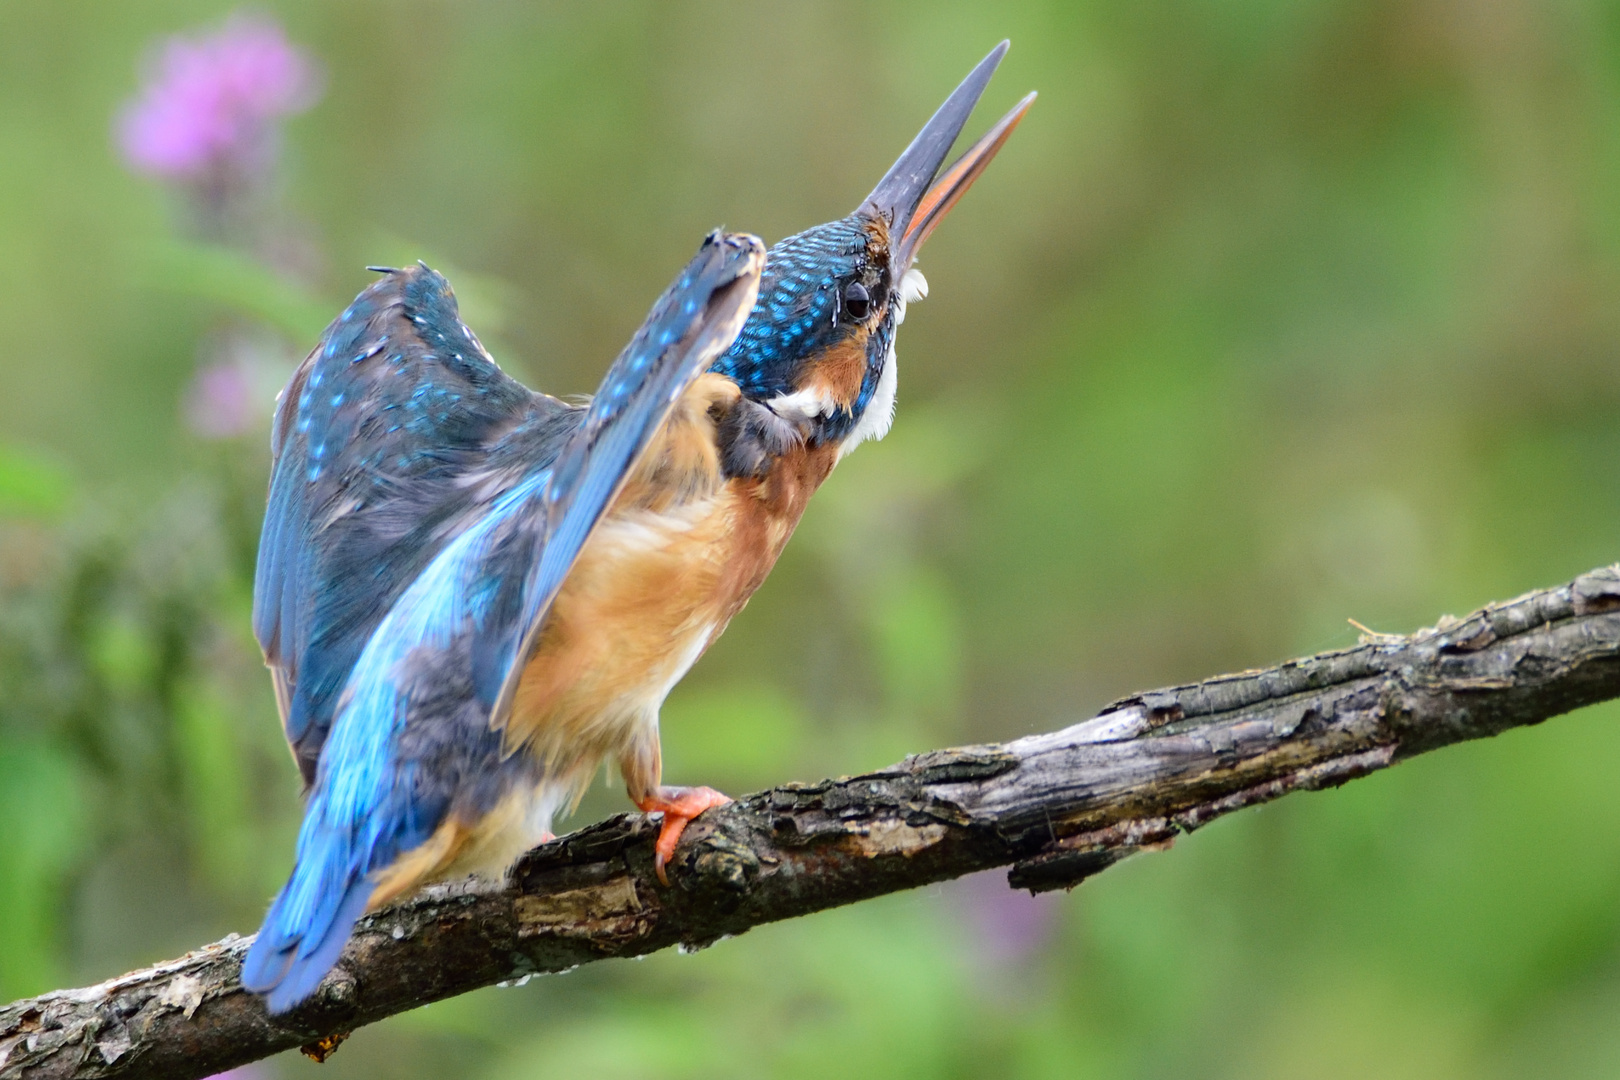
point(1006, 926)
point(253, 1071)
point(219, 401)
point(210, 101)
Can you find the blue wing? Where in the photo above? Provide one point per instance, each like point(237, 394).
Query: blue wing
point(376, 440)
point(412, 744)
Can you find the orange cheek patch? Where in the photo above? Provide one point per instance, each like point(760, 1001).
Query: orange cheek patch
point(838, 373)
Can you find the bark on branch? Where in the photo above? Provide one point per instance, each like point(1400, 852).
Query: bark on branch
point(1057, 808)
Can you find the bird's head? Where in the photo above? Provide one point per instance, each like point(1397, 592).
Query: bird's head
point(818, 348)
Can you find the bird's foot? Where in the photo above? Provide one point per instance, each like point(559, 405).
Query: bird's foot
point(679, 805)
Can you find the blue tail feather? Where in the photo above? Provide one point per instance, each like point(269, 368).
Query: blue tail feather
point(288, 970)
point(305, 930)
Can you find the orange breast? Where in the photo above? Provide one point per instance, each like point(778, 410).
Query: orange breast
point(678, 554)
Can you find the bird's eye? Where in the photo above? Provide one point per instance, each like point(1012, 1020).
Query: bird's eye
point(856, 300)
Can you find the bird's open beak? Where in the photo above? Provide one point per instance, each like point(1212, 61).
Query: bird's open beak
point(915, 195)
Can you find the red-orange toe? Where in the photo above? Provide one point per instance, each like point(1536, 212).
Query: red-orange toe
point(679, 805)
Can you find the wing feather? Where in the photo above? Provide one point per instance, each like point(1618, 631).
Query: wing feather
point(374, 439)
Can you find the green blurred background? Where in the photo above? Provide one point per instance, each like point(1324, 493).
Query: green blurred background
point(1271, 315)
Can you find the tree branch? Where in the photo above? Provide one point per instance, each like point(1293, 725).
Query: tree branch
point(1057, 808)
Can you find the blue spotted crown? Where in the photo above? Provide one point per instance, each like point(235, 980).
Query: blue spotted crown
point(795, 316)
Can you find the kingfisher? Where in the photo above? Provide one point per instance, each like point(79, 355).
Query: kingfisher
point(472, 595)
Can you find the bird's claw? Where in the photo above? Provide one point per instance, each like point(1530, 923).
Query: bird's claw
point(679, 805)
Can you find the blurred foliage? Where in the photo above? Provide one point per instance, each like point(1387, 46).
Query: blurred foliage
point(237, 283)
point(1271, 315)
point(31, 485)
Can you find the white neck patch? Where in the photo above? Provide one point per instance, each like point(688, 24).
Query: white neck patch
point(878, 415)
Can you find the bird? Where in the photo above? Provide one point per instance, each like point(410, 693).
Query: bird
point(471, 595)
